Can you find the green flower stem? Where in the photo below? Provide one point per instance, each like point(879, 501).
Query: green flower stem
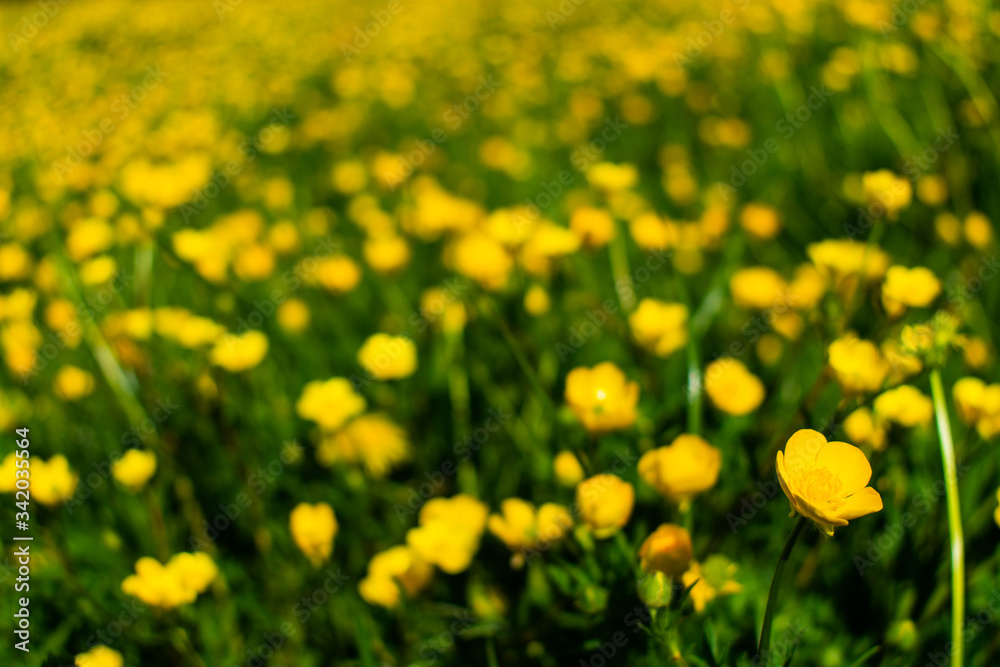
point(772, 597)
point(618, 253)
point(954, 517)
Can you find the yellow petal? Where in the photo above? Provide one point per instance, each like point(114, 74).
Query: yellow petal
point(865, 501)
point(802, 448)
point(848, 464)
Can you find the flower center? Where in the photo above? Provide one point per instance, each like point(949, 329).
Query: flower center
point(819, 485)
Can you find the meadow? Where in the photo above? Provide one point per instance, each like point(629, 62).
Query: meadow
point(562, 333)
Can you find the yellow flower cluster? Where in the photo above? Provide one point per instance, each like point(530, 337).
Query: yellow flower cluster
point(50, 482)
point(525, 529)
point(179, 582)
point(978, 404)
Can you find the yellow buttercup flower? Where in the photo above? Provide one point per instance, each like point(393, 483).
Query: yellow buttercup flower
point(888, 191)
point(239, 353)
point(660, 327)
point(602, 397)
point(612, 177)
point(843, 259)
point(683, 469)
point(536, 300)
point(594, 226)
point(313, 528)
point(396, 567)
point(482, 258)
point(760, 220)
point(864, 428)
point(99, 656)
point(605, 501)
point(294, 316)
point(758, 287)
point(373, 440)
point(715, 579)
point(388, 357)
point(826, 482)
point(178, 582)
point(857, 364)
point(449, 532)
point(331, 403)
point(523, 528)
point(905, 405)
point(387, 253)
point(903, 287)
point(568, 470)
point(667, 550)
point(338, 275)
point(73, 383)
point(732, 388)
point(134, 468)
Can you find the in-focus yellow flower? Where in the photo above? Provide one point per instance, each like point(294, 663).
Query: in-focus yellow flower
point(857, 364)
point(660, 327)
point(758, 287)
point(904, 405)
point(667, 550)
point(238, 353)
point(568, 470)
point(331, 403)
point(72, 383)
point(594, 226)
point(761, 220)
point(732, 388)
point(903, 287)
point(373, 440)
point(178, 582)
point(715, 579)
point(134, 468)
point(313, 528)
point(605, 502)
point(388, 357)
point(683, 469)
point(525, 529)
point(602, 397)
point(99, 656)
point(826, 482)
point(396, 567)
point(449, 532)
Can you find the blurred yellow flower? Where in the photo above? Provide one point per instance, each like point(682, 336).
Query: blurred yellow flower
point(525, 529)
point(481, 258)
point(313, 528)
point(862, 427)
point(178, 582)
point(605, 501)
point(386, 254)
point(294, 316)
point(978, 230)
point(612, 177)
point(134, 468)
point(73, 383)
point(760, 220)
point(449, 532)
point(857, 364)
point(99, 656)
point(238, 353)
point(715, 579)
point(683, 469)
point(395, 568)
point(886, 191)
point(667, 550)
point(758, 287)
point(594, 226)
point(732, 388)
point(89, 237)
point(660, 327)
point(338, 275)
point(602, 397)
point(568, 470)
point(904, 405)
point(903, 287)
point(536, 300)
point(826, 482)
point(331, 403)
point(373, 440)
point(388, 357)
